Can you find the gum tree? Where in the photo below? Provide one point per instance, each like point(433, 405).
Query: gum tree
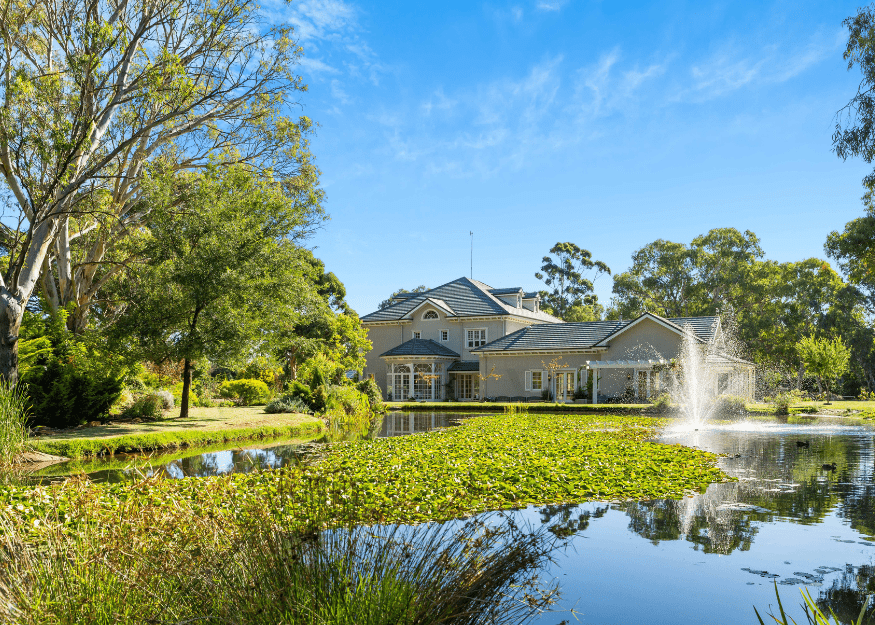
point(570, 288)
point(91, 92)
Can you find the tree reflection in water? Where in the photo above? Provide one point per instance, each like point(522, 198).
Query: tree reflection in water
point(847, 594)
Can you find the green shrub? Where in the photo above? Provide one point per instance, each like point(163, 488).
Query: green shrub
point(147, 407)
point(372, 392)
point(661, 403)
point(176, 391)
point(782, 401)
point(70, 379)
point(302, 392)
point(318, 378)
point(63, 395)
point(287, 403)
point(245, 392)
point(730, 405)
point(319, 400)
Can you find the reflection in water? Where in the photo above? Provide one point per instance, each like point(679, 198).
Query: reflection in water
point(402, 423)
point(245, 460)
point(787, 520)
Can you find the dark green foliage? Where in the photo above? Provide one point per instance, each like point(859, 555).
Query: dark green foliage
point(388, 301)
point(302, 392)
point(320, 400)
point(70, 379)
point(372, 391)
point(62, 396)
point(318, 379)
point(855, 123)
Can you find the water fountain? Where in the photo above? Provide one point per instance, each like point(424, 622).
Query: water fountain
point(694, 387)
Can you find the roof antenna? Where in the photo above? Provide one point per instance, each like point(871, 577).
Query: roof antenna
point(472, 254)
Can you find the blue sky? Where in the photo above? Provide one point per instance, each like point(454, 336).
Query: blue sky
point(607, 124)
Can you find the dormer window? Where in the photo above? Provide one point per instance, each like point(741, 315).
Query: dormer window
point(430, 314)
point(417, 335)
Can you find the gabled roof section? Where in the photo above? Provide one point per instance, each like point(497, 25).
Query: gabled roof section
point(465, 297)
point(554, 336)
point(433, 301)
point(590, 334)
point(694, 323)
point(421, 347)
point(706, 328)
point(511, 291)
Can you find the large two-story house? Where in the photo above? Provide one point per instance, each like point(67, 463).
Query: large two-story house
point(466, 340)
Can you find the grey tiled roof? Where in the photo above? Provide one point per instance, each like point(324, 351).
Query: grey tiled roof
point(465, 365)
point(583, 335)
point(704, 327)
point(547, 336)
point(467, 298)
point(421, 347)
point(530, 294)
point(510, 291)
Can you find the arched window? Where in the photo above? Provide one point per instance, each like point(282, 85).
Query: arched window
point(430, 315)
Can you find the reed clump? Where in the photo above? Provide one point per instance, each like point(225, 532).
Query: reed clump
point(154, 562)
point(14, 418)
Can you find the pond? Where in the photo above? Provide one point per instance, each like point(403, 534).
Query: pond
point(708, 558)
point(711, 557)
point(237, 457)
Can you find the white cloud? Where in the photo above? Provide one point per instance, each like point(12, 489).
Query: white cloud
point(550, 5)
point(321, 19)
point(729, 70)
point(338, 92)
point(315, 66)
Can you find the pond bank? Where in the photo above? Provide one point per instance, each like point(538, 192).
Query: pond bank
point(205, 426)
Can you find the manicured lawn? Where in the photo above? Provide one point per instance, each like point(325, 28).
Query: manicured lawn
point(203, 426)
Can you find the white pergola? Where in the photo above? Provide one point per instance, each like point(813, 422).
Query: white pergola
point(645, 365)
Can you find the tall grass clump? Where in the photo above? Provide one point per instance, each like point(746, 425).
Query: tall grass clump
point(177, 563)
point(14, 417)
point(813, 613)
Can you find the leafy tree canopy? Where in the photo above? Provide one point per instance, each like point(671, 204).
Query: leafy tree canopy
point(570, 290)
point(855, 123)
point(389, 301)
point(222, 267)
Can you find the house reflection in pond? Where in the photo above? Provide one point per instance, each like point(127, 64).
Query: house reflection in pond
point(401, 423)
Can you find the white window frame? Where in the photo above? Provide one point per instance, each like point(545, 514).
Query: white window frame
point(444, 333)
point(417, 334)
point(471, 342)
point(430, 312)
point(530, 380)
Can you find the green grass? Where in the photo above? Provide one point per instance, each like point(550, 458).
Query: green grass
point(206, 426)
